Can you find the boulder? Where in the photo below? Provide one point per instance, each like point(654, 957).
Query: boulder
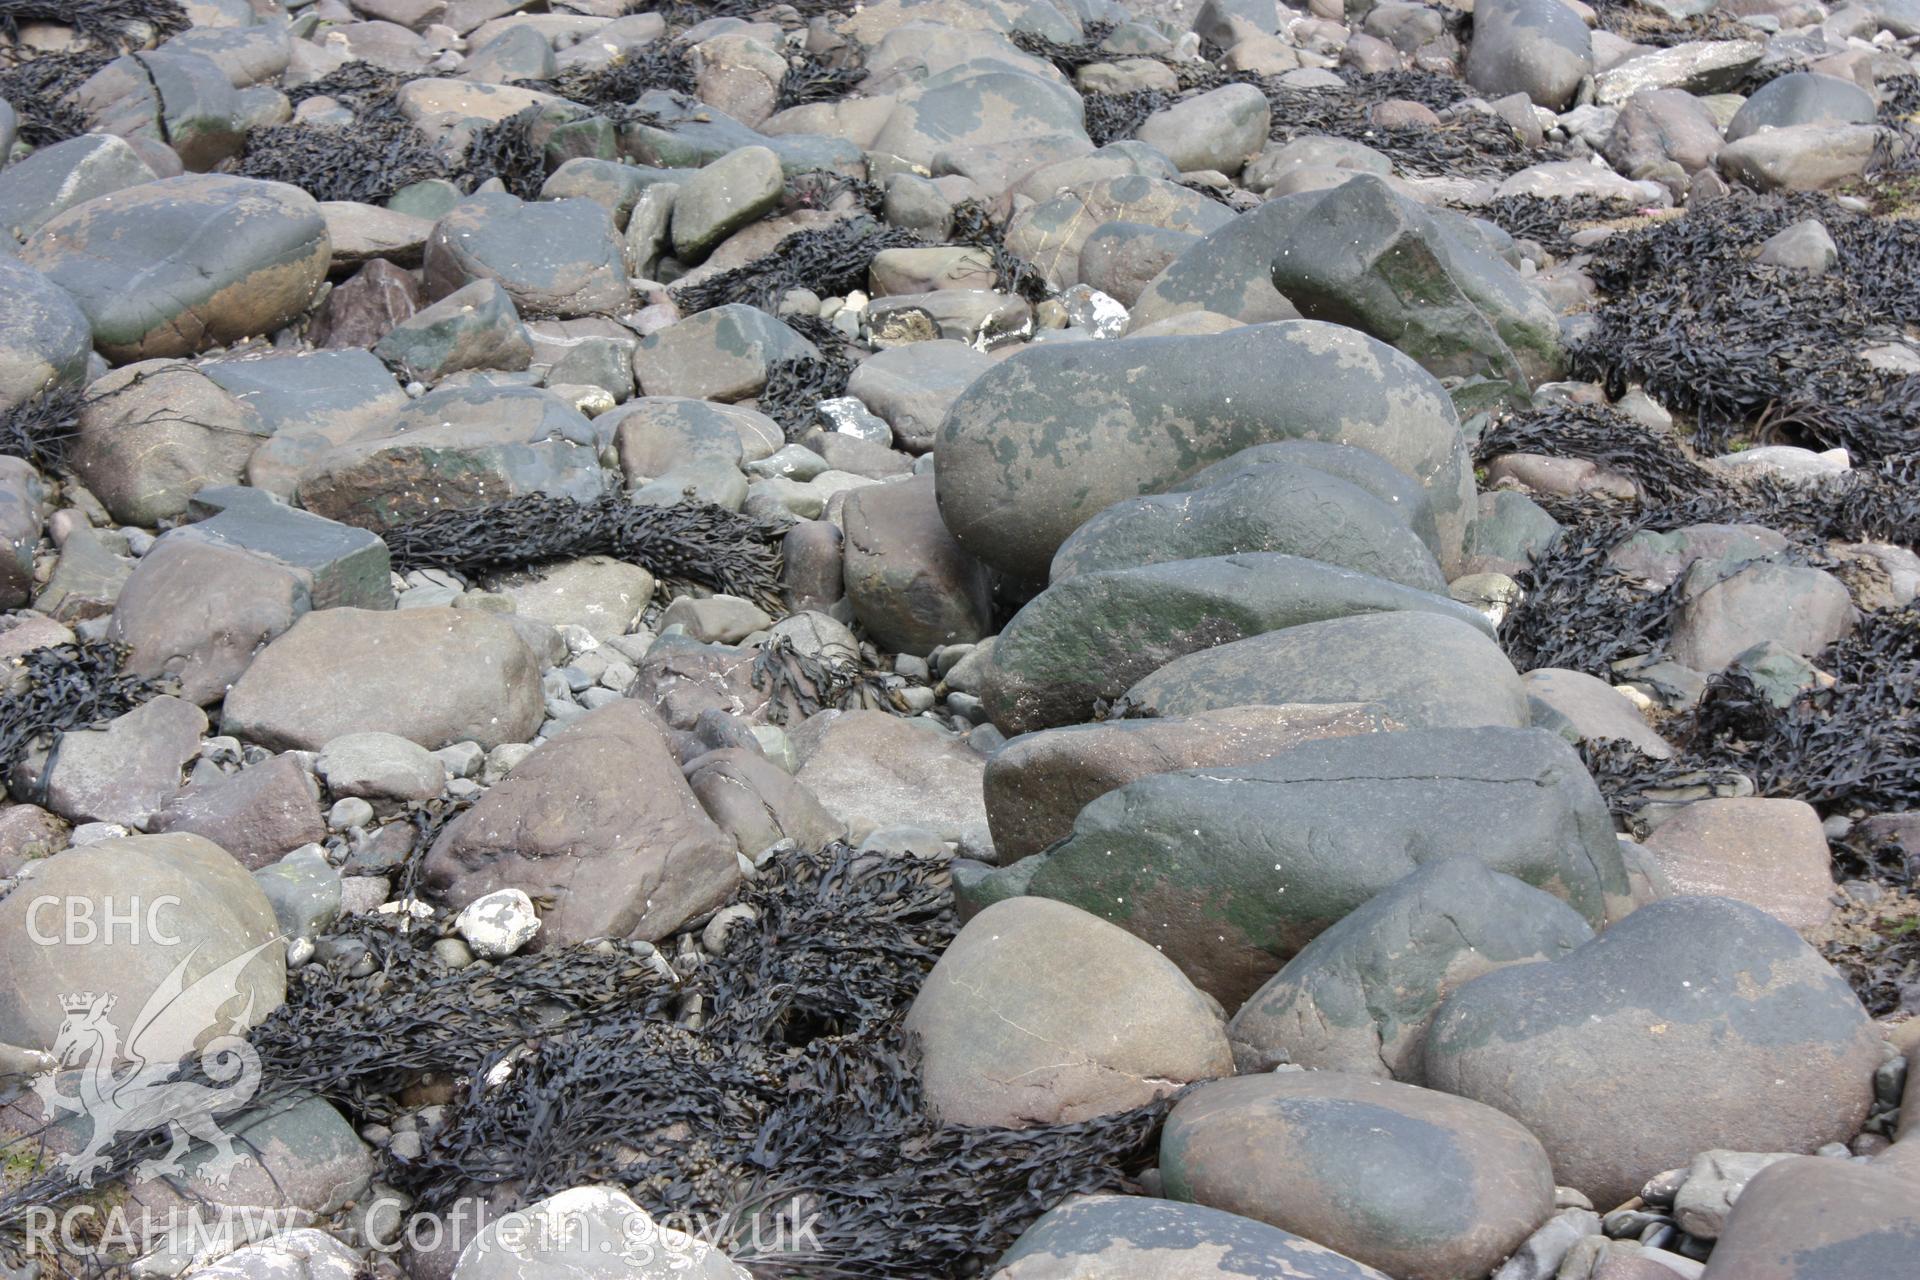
point(153, 434)
point(337, 563)
point(1229, 272)
point(1359, 997)
point(599, 823)
point(44, 336)
point(1272, 507)
point(871, 769)
point(1090, 637)
point(1698, 66)
point(1005, 1044)
point(474, 327)
point(115, 919)
point(912, 387)
point(1581, 708)
point(1232, 871)
point(1817, 1219)
point(55, 178)
point(1802, 97)
point(723, 197)
point(758, 803)
point(23, 515)
point(1420, 1184)
point(553, 257)
point(1113, 1237)
point(1423, 669)
point(602, 595)
point(380, 766)
point(1052, 235)
point(719, 354)
point(1658, 125)
point(258, 814)
point(1537, 47)
point(1121, 259)
point(173, 267)
point(1425, 281)
point(1773, 1046)
point(433, 676)
point(910, 584)
point(1036, 784)
point(198, 612)
point(1721, 615)
point(1802, 157)
point(1220, 129)
point(1059, 431)
point(1771, 854)
point(990, 107)
point(122, 772)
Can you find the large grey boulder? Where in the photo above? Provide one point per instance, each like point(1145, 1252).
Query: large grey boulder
point(1232, 871)
point(44, 336)
point(1037, 783)
point(1221, 129)
point(1537, 47)
point(1278, 506)
point(1656, 126)
point(553, 257)
point(1129, 1237)
point(56, 178)
point(1420, 1184)
point(1820, 1219)
point(153, 434)
point(1056, 433)
point(1360, 997)
point(599, 824)
point(173, 267)
point(1802, 97)
point(1423, 669)
point(191, 903)
point(1090, 637)
point(1005, 1044)
point(719, 354)
point(1427, 282)
point(434, 676)
point(1229, 272)
point(1773, 1046)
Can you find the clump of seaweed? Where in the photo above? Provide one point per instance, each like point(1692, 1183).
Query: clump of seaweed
point(690, 543)
point(831, 259)
point(63, 687)
point(38, 87)
point(39, 429)
point(119, 26)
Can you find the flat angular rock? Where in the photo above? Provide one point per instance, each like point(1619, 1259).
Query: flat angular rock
point(195, 903)
point(1090, 637)
point(339, 564)
point(1767, 853)
point(598, 822)
point(474, 327)
point(911, 585)
point(173, 267)
point(258, 814)
point(1583, 709)
point(1055, 433)
point(155, 433)
point(1423, 281)
point(553, 257)
point(123, 772)
point(1113, 1237)
point(718, 354)
point(1285, 848)
point(1776, 1051)
point(1424, 670)
point(870, 769)
point(1698, 66)
point(433, 676)
point(1333, 1157)
point(1272, 507)
point(197, 611)
point(1359, 997)
point(1004, 1044)
point(1037, 783)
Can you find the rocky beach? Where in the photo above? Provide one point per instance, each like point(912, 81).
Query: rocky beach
point(929, 639)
